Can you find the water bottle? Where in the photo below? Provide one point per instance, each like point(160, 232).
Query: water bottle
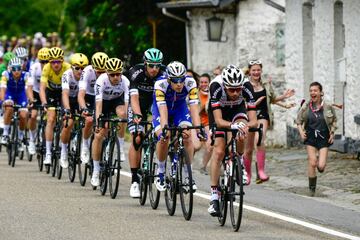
point(146, 158)
point(174, 164)
point(107, 151)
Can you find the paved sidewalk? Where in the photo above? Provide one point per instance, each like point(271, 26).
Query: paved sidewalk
point(339, 184)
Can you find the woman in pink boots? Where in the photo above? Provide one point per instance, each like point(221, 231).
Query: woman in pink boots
point(265, 96)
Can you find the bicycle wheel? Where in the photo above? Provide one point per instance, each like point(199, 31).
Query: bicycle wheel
point(114, 167)
point(83, 168)
point(40, 146)
point(73, 153)
point(144, 175)
point(103, 171)
point(223, 201)
point(14, 145)
point(185, 185)
point(236, 194)
point(171, 181)
point(154, 194)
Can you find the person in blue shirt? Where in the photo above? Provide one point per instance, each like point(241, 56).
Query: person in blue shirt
point(12, 91)
point(170, 107)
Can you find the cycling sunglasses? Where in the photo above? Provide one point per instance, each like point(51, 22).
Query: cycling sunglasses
point(16, 68)
point(77, 68)
point(56, 62)
point(153, 65)
point(255, 62)
point(178, 80)
point(98, 71)
point(233, 90)
point(114, 74)
point(44, 61)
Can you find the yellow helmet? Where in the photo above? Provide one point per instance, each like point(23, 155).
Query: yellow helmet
point(56, 53)
point(43, 54)
point(98, 60)
point(114, 65)
point(79, 59)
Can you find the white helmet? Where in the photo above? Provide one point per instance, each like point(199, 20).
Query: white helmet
point(232, 76)
point(21, 52)
point(176, 69)
point(38, 35)
point(15, 62)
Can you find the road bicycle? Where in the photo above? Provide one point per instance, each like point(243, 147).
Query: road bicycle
point(110, 163)
point(231, 183)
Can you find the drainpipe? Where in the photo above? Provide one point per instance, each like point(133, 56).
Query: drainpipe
point(187, 34)
point(275, 5)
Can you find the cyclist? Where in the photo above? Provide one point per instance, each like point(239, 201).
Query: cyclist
point(33, 88)
point(111, 94)
point(170, 107)
point(50, 92)
point(86, 98)
point(70, 88)
point(142, 78)
point(23, 54)
point(12, 91)
point(227, 109)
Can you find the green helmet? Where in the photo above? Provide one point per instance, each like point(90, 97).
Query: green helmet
point(153, 55)
point(8, 56)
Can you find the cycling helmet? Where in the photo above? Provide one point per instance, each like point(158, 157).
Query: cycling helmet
point(56, 53)
point(176, 70)
point(43, 54)
point(21, 52)
point(153, 55)
point(98, 60)
point(79, 59)
point(15, 62)
point(114, 65)
point(8, 56)
point(232, 76)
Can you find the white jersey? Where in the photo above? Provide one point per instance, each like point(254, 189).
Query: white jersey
point(88, 80)
point(69, 82)
point(104, 90)
point(35, 76)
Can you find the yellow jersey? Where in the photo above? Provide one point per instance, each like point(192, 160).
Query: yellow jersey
point(53, 80)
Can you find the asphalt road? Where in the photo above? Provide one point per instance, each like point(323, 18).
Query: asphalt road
point(33, 205)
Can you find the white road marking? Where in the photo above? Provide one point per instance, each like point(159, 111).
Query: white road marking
point(280, 216)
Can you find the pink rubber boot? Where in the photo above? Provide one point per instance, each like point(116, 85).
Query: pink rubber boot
point(260, 156)
point(247, 165)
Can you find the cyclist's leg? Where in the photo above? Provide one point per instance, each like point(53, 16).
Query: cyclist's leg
point(64, 139)
point(96, 154)
point(32, 123)
point(87, 130)
point(8, 113)
point(121, 112)
point(23, 114)
point(207, 150)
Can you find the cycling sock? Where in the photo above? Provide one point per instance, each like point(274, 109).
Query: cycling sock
point(64, 147)
point(121, 141)
point(48, 147)
point(32, 134)
point(96, 166)
point(161, 168)
point(134, 175)
point(20, 134)
point(214, 193)
point(6, 130)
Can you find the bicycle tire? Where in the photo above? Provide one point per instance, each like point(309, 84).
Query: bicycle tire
point(14, 140)
point(114, 167)
point(144, 177)
point(9, 153)
point(73, 154)
point(154, 193)
point(172, 187)
point(40, 144)
point(237, 194)
point(223, 201)
point(185, 185)
point(103, 171)
point(84, 168)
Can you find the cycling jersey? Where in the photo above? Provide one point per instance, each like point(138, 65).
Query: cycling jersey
point(88, 80)
point(53, 80)
point(231, 109)
point(69, 82)
point(143, 86)
point(15, 89)
point(104, 90)
point(35, 76)
point(164, 94)
point(178, 111)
